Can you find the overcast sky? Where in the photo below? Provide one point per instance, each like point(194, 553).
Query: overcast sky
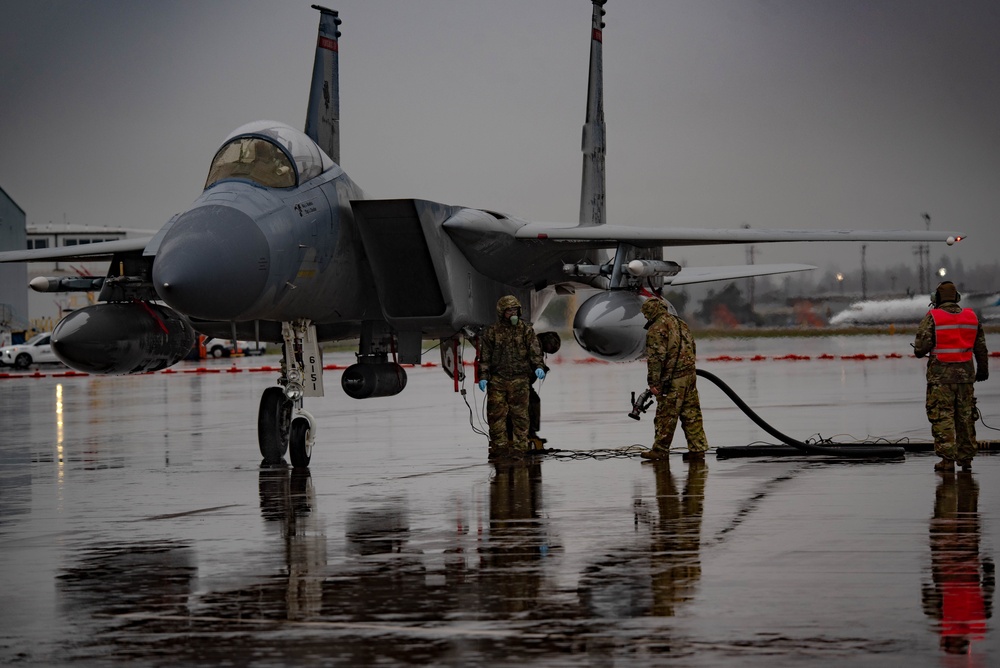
point(804, 114)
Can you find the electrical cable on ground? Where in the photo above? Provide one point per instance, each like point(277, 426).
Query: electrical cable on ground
point(600, 453)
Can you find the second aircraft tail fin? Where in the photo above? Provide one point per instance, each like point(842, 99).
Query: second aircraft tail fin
point(592, 186)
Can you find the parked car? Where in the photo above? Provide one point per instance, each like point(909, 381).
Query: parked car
point(35, 351)
point(224, 347)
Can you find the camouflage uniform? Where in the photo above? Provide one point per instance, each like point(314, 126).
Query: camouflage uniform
point(507, 355)
point(550, 344)
point(670, 368)
point(951, 404)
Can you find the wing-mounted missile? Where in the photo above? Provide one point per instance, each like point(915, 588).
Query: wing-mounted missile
point(122, 338)
point(66, 284)
point(649, 268)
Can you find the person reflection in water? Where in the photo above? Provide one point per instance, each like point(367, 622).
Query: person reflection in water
point(960, 597)
point(511, 570)
point(676, 541)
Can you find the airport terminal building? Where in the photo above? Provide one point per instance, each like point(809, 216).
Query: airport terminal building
point(23, 309)
point(13, 277)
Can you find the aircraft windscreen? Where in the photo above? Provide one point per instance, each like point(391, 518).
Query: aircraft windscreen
point(260, 152)
point(255, 159)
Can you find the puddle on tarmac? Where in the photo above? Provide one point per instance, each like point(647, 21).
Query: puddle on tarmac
point(163, 543)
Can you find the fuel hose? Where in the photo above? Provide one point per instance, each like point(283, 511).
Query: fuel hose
point(852, 451)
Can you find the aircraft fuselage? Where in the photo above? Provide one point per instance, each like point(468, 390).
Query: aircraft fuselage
point(243, 252)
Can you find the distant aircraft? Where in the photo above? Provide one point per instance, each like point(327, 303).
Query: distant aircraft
point(910, 310)
point(283, 247)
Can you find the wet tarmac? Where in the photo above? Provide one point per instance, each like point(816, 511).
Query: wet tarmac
point(137, 525)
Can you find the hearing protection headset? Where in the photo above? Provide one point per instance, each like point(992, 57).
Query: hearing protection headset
point(936, 295)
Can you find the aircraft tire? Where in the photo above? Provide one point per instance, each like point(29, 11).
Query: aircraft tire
point(298, 448)
point(273, 424)
point(22, 361)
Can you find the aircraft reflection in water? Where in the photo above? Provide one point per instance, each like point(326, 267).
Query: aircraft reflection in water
point(288, 498)
point(960, 596)
point(283, 246)
point(145, 582)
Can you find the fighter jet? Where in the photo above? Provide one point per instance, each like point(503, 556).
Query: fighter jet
point(282, 246)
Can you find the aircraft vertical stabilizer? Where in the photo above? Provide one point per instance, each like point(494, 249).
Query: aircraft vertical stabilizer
point(323, 115)
point(592, 186)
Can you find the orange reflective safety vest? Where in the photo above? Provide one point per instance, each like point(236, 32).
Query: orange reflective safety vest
point(954, 334)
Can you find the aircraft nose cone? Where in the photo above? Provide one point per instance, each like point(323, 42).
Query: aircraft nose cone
point(212, 264)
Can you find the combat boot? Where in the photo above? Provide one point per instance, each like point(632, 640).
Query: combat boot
point(966, 464)
point(655, 454)
point(694, 456)
point(945, 466)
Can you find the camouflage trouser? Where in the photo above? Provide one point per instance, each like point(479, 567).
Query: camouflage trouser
point(679, 400)
point(950, 409)
point(507, 397)
point(534, 415)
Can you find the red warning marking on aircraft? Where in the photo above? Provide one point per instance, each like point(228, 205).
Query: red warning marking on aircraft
point(597, 35)
point(328, 44)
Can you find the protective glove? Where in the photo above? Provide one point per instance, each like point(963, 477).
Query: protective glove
point(982, 374)
point(539, 374)
point(482, 385)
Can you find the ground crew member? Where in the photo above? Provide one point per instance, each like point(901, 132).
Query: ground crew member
point(952, 336)
point(550, 343)
point(670, 375)
point(508, 352)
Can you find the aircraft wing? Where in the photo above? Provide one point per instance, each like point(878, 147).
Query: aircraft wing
point(99, 250)
point(605, 236)
point(690, 275)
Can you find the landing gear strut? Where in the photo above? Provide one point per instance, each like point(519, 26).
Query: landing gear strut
point(282, 424)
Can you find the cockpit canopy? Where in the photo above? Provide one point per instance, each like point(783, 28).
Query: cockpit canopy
point(268, 153)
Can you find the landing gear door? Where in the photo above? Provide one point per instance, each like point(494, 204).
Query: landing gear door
point(312, 364)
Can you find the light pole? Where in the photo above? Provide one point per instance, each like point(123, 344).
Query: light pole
point(751, 253)
point(864, 273)
point(925, 257)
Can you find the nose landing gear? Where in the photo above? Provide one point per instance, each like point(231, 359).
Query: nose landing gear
point(282, 424)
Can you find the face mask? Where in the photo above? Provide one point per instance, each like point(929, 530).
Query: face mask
point(513, 320)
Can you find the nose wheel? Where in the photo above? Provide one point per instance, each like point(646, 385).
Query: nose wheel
point(274, 424)
point(300, 442)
